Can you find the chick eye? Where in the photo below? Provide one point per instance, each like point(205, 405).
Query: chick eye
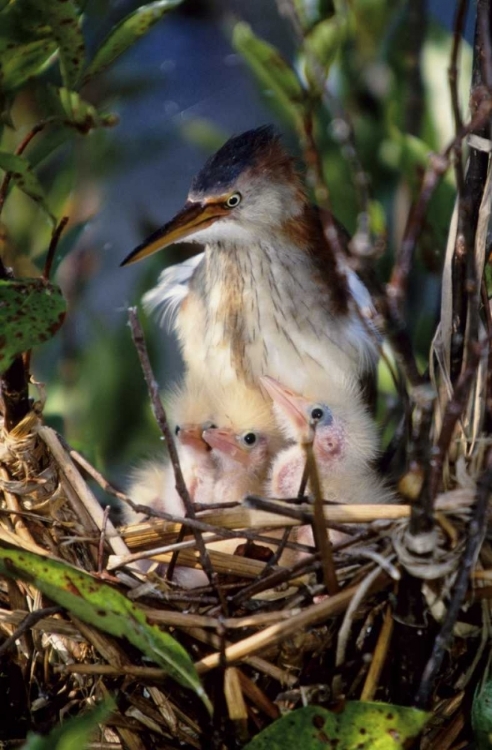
point(233, 200)
point(317, 413)
point(177, 429)
point(249, 438)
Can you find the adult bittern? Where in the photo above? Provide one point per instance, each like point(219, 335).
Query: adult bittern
point(269, 296)
point(344, 441)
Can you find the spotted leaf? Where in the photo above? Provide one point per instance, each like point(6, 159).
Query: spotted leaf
point(31, 311)
point(63, 18)
point(103, 607)
point(365, 726)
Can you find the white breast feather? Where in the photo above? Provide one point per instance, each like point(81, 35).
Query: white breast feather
point(166, 297)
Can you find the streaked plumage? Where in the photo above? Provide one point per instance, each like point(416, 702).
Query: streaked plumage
point(268, 297)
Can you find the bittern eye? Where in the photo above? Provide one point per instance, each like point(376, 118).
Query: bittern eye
point(249, 438)
point(317, 413)
point(233, 200)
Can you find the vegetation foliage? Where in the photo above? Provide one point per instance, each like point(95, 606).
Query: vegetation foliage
point(385, 153)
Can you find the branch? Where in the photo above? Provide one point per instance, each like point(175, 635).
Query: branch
point(161, 418)
point(476, 533)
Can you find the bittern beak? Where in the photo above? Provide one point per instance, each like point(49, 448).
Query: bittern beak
point(191, 436)
point(224, 440)
point(292, 405)
point(192, 217)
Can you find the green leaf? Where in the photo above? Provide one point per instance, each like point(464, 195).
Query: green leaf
point(64, 20)
point(74, 734)
point(361, 726)
point(272, 71)
point(82, 115)
point(321, 47)
point(25, 61)
point(105, 608)
point(481, 716)
point(377, 217)
point(31, 311)
point(126, 33)
point(25, 179)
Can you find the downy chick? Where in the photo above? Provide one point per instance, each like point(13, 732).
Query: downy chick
point(344, 440)
point(190, 409)
point(243, 444)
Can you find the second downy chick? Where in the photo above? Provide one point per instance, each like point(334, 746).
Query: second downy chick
point(243, 443)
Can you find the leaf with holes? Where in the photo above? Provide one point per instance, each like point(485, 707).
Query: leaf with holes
point(272, 71)
point(103, 607)
point(366, 726)
point(128, 31)
point(25, 179)
point(31, 311)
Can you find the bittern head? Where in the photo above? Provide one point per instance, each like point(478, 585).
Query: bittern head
point(247, 190)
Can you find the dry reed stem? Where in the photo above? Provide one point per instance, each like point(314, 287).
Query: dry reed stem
point(275, 634)
point(379, 657)
point(83, 492)
point(236, 707)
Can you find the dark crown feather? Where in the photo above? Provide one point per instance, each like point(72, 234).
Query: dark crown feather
point(238, 153)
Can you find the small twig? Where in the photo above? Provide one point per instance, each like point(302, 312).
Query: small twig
point(18, 152)
point(397, 286)
point(27, 623)
point(378, 657)
point(275, 579)
point(96, 475)
point(343, 634)
point(102, 538)
point(55, 238)
point(270, 636)
point(271, 506)
point(459, 24)
point(454, 409)
point(476, 532)
point(320, 530)
point(161, 418)
point(465, 285)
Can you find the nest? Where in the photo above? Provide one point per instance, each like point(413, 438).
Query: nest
point(265, 637)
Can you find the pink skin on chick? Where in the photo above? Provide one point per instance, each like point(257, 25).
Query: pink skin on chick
point(242, 461)
point(344, 444)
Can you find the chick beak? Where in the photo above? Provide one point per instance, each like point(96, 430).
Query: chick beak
point(224, 441)
point(192, 217)
point(191, 436)
point(292, 405)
